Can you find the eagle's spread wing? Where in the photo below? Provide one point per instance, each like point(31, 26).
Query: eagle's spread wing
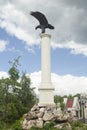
point(39, 16)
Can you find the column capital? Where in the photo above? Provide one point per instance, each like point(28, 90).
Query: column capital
point(45, 35)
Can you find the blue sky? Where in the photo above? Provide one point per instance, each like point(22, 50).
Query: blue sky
point(68, 43)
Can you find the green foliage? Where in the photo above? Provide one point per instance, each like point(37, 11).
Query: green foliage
point(77, 124)
point(77, 95)
point(34, 128)
point(49, 126)
point(3, 125)
point(13, 71)
point(62, 105)
point(17, 126)
point(46, 128)
point(16, 97)
point(26, 94)
point(70, 97)
point(59, 99)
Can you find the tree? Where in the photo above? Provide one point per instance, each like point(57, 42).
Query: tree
point(9, 101)
point(16, 96)
point(13, 71)
point(70, 97)
point(59, 99)
point(4, 97)
point(27, 95)
point(14, 75)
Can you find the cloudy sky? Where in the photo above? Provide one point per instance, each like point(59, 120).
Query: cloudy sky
point(68, 43)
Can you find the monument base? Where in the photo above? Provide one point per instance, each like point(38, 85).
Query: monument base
point(46, 95)
point(39, 116)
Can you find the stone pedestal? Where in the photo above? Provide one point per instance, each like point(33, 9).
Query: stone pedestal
point(39, 116)
point(46, 89)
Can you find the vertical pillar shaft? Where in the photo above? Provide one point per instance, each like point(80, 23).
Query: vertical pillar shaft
point(46, 89)
point(45, 58)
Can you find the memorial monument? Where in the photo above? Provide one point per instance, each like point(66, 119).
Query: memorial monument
point(46, 89)
point(45, 111)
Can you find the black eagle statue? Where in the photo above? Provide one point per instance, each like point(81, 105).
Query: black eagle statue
point(42, 20)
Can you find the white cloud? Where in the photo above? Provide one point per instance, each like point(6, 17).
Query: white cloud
point(64, 85)
point(69, 84)
point(3, 45)
point(13, 49)
point(16, 23)
point(78, 48)
point(18, 32)
point(35, 80)
point(30, 49)
point(75, 48)
point(3, 74)
point(69, 19)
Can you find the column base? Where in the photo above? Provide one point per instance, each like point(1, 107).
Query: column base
point(46, 95)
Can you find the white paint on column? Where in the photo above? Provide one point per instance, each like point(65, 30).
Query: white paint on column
point(46, 89)
point(45, 58)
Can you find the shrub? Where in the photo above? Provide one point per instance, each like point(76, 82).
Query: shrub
point(17, 126)
point(34, 128)
point(49, 126)
point(76, 125)
point(2, 125)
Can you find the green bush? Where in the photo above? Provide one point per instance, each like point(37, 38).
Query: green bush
point(49, 126)
point(34, 128)
point(77, 125)
point(2, 125)
point(17, 126)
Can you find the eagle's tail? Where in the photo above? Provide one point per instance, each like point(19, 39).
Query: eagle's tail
point(50, 26)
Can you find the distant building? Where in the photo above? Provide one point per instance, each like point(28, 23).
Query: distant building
point(83, 103)
point(72, 106)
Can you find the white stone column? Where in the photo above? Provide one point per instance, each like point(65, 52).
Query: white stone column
point(45, 58)
point(46, 89)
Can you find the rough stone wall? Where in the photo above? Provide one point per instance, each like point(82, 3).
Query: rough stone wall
point(39, 116)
